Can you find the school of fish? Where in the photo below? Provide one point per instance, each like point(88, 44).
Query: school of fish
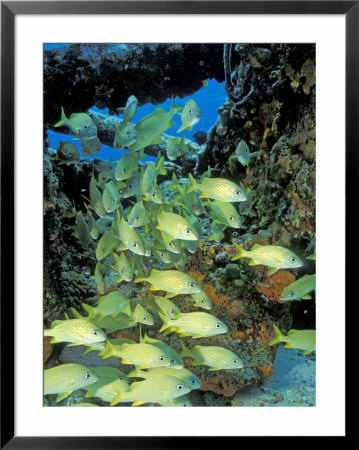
point(144, 228)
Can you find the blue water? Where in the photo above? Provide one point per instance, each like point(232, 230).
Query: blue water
point(209, 99)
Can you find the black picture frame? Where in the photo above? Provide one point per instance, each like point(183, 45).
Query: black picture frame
point(9, 9)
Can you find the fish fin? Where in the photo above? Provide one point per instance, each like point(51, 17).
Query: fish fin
point(288, 346)
point(171, 294)
point(193, 184)
point(73, 345)
point(181, 128)
point(252, 262)
point(62, 396)
point(165, 321)
point(291, 332)
point(121, 110)
point(63, 120)
point(156, 141)
point(136, 403)
point(306, 352)
point(271, 271)
point(54, 340)
point(185, 351)
point(134, 374)
point(255, 246)
point(240, 254)
point(306, 297)
point(214, 368)
point(88, 395)
point(88, 309)
point(278, 336)
point(76, 313)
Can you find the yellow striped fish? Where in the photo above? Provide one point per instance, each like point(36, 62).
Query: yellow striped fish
point(172, 281)
point(164, 305)
point(182, 374)
point(76, 331)
point(66, 378)
point(301, 339)
point(108, 305)
point(269, 255)
point(105, 245)
point(143, 355)
point(123, 267)
point(131, 239)
point(80, 124)
point(106, 389)
point(299, 289)
point(153, 390)
point(195, 324)
point(202, 300)
point(215, 357)
point(218, 189)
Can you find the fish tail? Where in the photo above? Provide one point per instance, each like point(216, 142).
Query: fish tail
point(118, 398)
point(88, 308)
point(194, 184)
point(278, 336)
point(63, 120)
point(165, 321)
point(240, 253)
point(141, 154)
point(48, 333)
point(136, 373)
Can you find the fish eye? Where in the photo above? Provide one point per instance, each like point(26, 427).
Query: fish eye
point(193, 205)
point(123, 170)
point(193, 381)
point(234, 361)
point(86, 126)
point(202, 300)
point(145, 318)
point(154, 194)
point(88, 375)
point(135, 244)
point(173, 360)
point(292, 259)
point(192, 285)
point(130, 186)
point(120, 378)
point(291, 293)
point(70, 153)
point(161, 358)
point(128, 132)
point(184, 404)
point(173, 311)
point(234, 234)
point(237, 193)
point(123, 271)
point(136, 217)
point(188, 231)
point(180, 387)
point(170, 244)
point(162, 254)
point(231, 218)
point(190, 111)
point(218, 325)
point(95, 333)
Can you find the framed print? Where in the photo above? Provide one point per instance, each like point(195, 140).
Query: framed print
point(171, 244)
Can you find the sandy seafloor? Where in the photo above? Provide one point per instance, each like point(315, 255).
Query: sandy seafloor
point(292, 383)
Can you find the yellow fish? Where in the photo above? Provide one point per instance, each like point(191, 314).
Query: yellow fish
point(80, 124)
point(130, 109)
point(175, 359)
point(66, 378)
point(273, 256)
point(106, 389)
point(108, 305)
point(105, 245)
point(153, 390)
point(164, 305)
point(299, 289)
point(131, 239)
point(176, 226)
point(96, 198)
point(127, 165)
point(182, 374)
point(92, 225)
point(300, 339)
point(216, 358)
point(195, 324)
point(225, 213)
point(191, 115)
point(123, 267)
point(202, 300)
point(218, 189)
point(171, 281)
point(126, 135)
point(150, 127)
point(76, 331)
point(67, 153)
point(110, 196)
point(81, 231)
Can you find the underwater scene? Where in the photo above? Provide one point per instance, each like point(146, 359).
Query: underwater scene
point(179, 225)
